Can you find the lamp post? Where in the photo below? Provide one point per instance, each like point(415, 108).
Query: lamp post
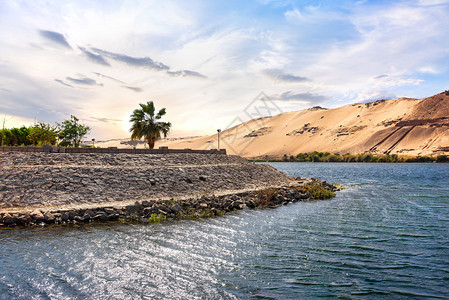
point(218, 133)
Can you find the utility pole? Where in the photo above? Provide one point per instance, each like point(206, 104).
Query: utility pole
point(3, 129)
point(218, 133)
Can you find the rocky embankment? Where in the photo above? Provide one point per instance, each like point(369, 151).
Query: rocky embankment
point(38, 188)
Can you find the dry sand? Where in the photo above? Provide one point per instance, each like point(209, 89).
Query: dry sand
point(400, 126)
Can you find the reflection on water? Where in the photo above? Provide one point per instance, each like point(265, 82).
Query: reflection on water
point(386, 235)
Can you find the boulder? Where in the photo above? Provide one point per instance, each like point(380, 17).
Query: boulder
point(113, 216)
point(25, 219)
point(90, 213)
point(176, 208)
point(65, 216)
point(10, 220)
point(37, 216)
point(133, 209)
point(101, 217)
point(49, 218)
point(251, 204)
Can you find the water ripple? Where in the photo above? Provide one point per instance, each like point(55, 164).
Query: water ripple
point(376, 239)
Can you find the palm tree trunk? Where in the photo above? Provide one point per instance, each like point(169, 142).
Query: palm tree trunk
point(151, 141)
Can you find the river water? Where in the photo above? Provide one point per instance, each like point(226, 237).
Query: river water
point(385, 236)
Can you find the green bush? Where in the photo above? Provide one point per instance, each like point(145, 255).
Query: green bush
point(317, 191)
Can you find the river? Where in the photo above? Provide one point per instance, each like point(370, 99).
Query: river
point(385, 236)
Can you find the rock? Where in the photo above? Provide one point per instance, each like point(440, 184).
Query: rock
point(251, 204)
point(238, 204)
point(49, 218)
point(72, 215)
point(132, 209)
point(147, 211)
point(78, 219)
point(10, 220)
point(25, 219)
point(113, 216)
point(101, 217)
point(90, 213)
point(164, 208)
point(146, 204)
point(65, 216)
point(188, 180)
point(279, 199)
point(202, 178)
point(176, 208)
point(37, 216)
point(109, 210)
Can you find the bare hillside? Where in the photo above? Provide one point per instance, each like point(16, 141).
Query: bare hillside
point(400, 126)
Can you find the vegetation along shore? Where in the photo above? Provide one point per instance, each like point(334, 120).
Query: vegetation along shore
point(316, 156)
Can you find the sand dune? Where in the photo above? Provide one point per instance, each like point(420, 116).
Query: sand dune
point(400, 126)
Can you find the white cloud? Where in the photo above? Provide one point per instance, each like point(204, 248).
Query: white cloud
point(205, 62)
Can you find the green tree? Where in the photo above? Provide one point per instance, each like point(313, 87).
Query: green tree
point(146, 124)
point(442, 158)
point(19, 136)
point(6, 134)
point(71, 132)
point(42, 133)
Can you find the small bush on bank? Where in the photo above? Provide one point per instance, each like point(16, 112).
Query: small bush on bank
point(347, 157)
point(264, 197)
point(317, 191)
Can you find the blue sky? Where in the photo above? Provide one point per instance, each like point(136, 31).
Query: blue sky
point(205, 61)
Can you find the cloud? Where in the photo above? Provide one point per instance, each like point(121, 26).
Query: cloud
point(392, 81)
point(63, 83)
point(105, 120)
point(302, 97)
point(186, 73)
point(135, 89)
point(279, 76)
point(55, 37)
point(96, 58)
point(109, 77)
point(144, 62)
point(371, 96)
point(83, 81)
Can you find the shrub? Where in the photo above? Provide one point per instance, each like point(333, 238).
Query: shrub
point(317, 191)
point(442, 158)
point(264, 197)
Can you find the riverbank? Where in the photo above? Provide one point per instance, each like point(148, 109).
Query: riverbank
point(364, 157)
point(39, 188)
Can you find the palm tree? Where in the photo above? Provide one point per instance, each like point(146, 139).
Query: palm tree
point(146, 124)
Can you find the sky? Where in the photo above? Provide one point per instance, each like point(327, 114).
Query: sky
point(207, 61)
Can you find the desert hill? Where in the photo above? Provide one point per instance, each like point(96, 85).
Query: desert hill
point(400, 126)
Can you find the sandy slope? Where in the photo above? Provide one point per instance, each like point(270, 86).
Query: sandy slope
point(404, 126)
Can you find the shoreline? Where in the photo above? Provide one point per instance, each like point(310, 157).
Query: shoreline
point(353, 158)
point(306, 189)
point(49, 188)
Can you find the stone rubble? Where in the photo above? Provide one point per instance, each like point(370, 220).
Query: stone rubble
point(38, 188)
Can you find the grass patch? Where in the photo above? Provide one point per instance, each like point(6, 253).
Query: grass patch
point(156, 218)
point(317, 191)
